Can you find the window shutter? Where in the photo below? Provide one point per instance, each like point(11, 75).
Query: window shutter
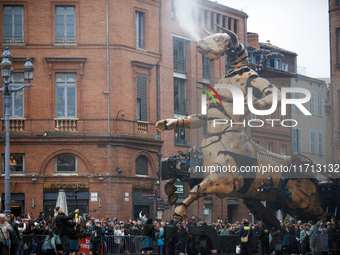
point(299, 140)
point(59, 24)
point(70, 24)
point(320, 143)
point(295, 139)
point(142, 96)
point(7, 23)
point(18, 24)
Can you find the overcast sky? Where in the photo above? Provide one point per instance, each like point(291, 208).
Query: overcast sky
point(301, 26)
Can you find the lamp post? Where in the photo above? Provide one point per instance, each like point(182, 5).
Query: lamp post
point(7, 90)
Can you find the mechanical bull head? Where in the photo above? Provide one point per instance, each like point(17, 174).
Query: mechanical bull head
point(216, 45)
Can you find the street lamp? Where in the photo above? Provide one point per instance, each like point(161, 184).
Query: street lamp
point(7, 90)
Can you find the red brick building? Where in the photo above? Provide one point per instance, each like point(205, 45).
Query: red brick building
point(104, 74)
point(93, 106)
point(334, 14)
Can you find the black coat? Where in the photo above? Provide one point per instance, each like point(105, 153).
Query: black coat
point(64, 224)
point(149, 230)
point(170, 234)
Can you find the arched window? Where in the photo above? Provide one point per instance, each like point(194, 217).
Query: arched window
point(142, 165)
point(66, 163)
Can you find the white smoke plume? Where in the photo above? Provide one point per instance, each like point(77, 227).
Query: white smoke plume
point(184, 10)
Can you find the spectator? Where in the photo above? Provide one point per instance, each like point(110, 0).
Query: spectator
point(144, 218)
point(5, 232)
point(303, 240)
point(97, 233)
point(224, 230)
point(149, 235)
point(160, 241)
point(65, 227)
point(312, 237)
point(15, 235)
point(170, 238)
point(47, 247)
point(41, 216)
point(264, 238)
point(181, 239)
point(118, 238)
point(245, 233)
point(74, 243)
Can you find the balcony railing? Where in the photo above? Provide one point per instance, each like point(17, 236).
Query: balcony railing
point(180, 106)
point(66, 125)
point(15, 125)
point(142, 128)
point(180, 65)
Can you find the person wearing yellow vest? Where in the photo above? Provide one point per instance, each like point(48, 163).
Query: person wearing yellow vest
point(245, 234)
point(264, 238)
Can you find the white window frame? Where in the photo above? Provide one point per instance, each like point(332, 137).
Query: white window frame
point(66, 38)
point(65, 85)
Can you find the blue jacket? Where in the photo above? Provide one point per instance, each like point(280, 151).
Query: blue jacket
point(101, 232)
point(313, 232)
point(245, 230)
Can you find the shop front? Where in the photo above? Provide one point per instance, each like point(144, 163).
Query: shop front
point(77, 196)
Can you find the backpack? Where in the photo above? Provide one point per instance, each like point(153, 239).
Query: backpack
point(54, 226)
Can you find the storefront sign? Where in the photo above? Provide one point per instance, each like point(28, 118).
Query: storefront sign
point(78, 185)
point(142, 186)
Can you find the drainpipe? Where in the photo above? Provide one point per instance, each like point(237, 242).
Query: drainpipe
point(331, 94)
point(245, 32)
point(107, 92)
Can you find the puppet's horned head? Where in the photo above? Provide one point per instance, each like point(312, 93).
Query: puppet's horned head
point(216, 45)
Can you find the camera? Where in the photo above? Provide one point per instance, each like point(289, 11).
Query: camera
point(20, 225)
point(175, 166)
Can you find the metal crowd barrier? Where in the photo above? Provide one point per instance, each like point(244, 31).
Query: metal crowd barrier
point(130, 244)
point(124, 244)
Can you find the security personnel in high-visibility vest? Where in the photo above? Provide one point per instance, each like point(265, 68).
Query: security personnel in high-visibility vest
point(245, 234)
point(264, 238)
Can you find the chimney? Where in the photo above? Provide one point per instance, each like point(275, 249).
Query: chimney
point(253, 40)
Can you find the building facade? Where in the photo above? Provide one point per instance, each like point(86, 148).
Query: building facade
point(104, 74)
point(92, 109)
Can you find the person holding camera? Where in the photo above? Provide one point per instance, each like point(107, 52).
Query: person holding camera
point(97, 232)
point(65, 226)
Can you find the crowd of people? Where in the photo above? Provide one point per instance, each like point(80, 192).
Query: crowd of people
point(62, 233)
